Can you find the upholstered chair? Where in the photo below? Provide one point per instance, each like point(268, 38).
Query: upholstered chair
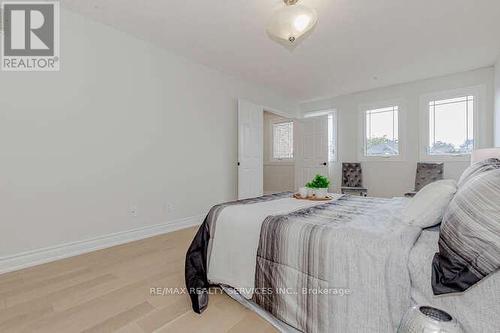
point(426, 173)
point(352, 179)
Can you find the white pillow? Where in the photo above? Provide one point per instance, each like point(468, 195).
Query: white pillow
point(427, 207)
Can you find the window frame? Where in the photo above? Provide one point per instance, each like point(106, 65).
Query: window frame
point(271, 150)
point(335, 136)
point(399, 103)
point(477, 92)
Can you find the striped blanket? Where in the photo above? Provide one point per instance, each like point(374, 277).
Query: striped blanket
point(337, 267)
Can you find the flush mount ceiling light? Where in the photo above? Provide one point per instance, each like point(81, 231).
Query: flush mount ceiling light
point(290, 24)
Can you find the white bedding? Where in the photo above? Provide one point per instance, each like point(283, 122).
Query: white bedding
point(236, 238)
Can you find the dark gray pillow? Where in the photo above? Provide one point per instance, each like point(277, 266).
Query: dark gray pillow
point(469, 240)
point(477, 168)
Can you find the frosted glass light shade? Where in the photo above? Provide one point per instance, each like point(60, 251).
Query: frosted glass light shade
point(289, 24)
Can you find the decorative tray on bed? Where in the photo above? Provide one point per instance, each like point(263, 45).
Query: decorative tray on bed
point(313, 198)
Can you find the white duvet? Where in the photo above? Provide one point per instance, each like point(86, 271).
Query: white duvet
point(234, 243)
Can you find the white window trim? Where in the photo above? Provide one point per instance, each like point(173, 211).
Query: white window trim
point(335, 116)
point(401, 130)
point(280, 161)
point(478, 92)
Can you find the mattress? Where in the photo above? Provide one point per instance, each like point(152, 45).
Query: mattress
point(477, 309)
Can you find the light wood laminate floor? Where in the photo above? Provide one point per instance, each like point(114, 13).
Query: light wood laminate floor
point(109, 291)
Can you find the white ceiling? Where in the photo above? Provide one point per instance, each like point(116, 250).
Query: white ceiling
point(357, 44)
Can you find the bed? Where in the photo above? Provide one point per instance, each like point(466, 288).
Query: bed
point(347, 256)
point(477, 309)
point(347, 265)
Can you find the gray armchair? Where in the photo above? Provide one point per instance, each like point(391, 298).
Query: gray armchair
point(352, 179)
point(426, 173)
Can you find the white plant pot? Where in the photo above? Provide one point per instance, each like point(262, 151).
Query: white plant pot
point(310, 192)
point(321, 193)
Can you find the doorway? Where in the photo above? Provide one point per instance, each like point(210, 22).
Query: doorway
point(278, 148)
point(277, 153)
point(316, 149)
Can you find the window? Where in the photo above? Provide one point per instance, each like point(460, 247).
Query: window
point(283, 141)
point(332, 137)
point(451, 126)
point(381, 132)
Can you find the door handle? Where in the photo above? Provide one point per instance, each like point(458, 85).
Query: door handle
point(325, 164)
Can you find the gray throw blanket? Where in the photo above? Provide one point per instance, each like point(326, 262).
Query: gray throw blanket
point(338, 267)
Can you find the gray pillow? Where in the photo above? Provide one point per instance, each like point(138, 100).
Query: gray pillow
point(477, 168)
point(469, 240)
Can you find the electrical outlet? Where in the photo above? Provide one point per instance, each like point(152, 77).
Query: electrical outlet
point(133, 211)
point(169, 207)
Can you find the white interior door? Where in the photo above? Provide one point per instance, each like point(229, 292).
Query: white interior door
point(250, 150)
point(312, 149)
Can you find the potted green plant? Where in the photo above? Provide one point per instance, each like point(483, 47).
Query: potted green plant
point(320, 185)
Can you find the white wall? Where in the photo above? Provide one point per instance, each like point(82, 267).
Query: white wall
point(279, 176)
point(123, 124)
point(497, 104)
point(392, 178)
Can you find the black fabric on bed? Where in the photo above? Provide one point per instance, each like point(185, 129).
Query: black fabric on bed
point(196, 269)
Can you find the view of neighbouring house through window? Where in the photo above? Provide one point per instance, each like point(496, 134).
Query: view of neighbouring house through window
point(283, 140)
point(382, 132)
point(451, 127)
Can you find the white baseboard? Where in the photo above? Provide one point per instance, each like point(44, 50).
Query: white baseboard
point(48, 254)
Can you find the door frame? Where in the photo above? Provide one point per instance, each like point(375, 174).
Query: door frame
point(331, 162)
point(271, 110)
